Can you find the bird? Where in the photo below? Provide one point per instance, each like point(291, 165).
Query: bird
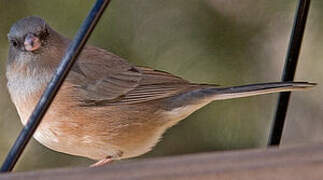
point(107, 108)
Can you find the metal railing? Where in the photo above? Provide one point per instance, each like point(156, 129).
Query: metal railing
point(293, 51)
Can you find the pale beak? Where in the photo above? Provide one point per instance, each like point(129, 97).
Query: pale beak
point(31, 42)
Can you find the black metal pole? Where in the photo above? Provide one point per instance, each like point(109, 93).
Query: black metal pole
point(62, 70)
point(289, 70)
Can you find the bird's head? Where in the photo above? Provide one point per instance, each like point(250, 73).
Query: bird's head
point(33, 40)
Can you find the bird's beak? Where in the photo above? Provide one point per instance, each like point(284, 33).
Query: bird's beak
point(31, 42)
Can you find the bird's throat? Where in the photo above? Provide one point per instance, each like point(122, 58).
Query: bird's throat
point(24, 85)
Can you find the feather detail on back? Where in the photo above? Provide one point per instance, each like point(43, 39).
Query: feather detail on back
point(110, 80)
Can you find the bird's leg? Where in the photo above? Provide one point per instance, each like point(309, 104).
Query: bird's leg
point(102, 162)
point(107, 160)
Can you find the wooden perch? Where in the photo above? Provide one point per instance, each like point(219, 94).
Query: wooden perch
point(297, 162)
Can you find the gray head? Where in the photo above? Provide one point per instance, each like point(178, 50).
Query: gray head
point(28, 34)
point(31, 38)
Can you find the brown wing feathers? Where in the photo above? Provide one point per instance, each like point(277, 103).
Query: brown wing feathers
point(100, 84)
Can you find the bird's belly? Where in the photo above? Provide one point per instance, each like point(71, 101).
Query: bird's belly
point(98, 145)
point(79, 133)
point(64, 134)
point(85, 146)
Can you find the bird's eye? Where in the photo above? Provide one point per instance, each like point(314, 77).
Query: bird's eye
point(14, 43)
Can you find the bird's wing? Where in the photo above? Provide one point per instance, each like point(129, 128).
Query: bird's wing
point(99, 75)
point(102, 78)
point(156, 85)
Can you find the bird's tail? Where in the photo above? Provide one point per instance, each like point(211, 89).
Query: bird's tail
point(255, 89)
point(205, 94)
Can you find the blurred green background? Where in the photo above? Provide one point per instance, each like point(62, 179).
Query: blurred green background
point(227, 42)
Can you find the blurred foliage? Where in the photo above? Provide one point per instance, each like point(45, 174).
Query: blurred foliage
point(211, 41)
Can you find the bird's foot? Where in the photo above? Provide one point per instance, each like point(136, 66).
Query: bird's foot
point(102, 162)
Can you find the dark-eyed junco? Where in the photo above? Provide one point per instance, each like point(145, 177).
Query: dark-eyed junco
point(107, 109)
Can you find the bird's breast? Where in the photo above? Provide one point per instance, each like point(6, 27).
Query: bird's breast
point(25, 88)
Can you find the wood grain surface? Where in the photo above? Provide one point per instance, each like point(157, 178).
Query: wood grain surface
point(294, 162)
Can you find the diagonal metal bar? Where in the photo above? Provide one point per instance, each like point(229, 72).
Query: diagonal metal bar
point(62, 70)
point(289, 70)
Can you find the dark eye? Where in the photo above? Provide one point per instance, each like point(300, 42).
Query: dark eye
point(14, 43)
point(42, 35)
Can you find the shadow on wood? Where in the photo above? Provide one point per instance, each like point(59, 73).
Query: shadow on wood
point(297, 162)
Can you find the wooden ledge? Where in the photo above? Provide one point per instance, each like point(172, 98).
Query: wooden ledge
point(297, 162)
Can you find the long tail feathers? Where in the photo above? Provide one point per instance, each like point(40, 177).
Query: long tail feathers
point(257, 89)
point(205, 94)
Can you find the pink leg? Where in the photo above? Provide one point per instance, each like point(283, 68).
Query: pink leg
point(102, 162)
